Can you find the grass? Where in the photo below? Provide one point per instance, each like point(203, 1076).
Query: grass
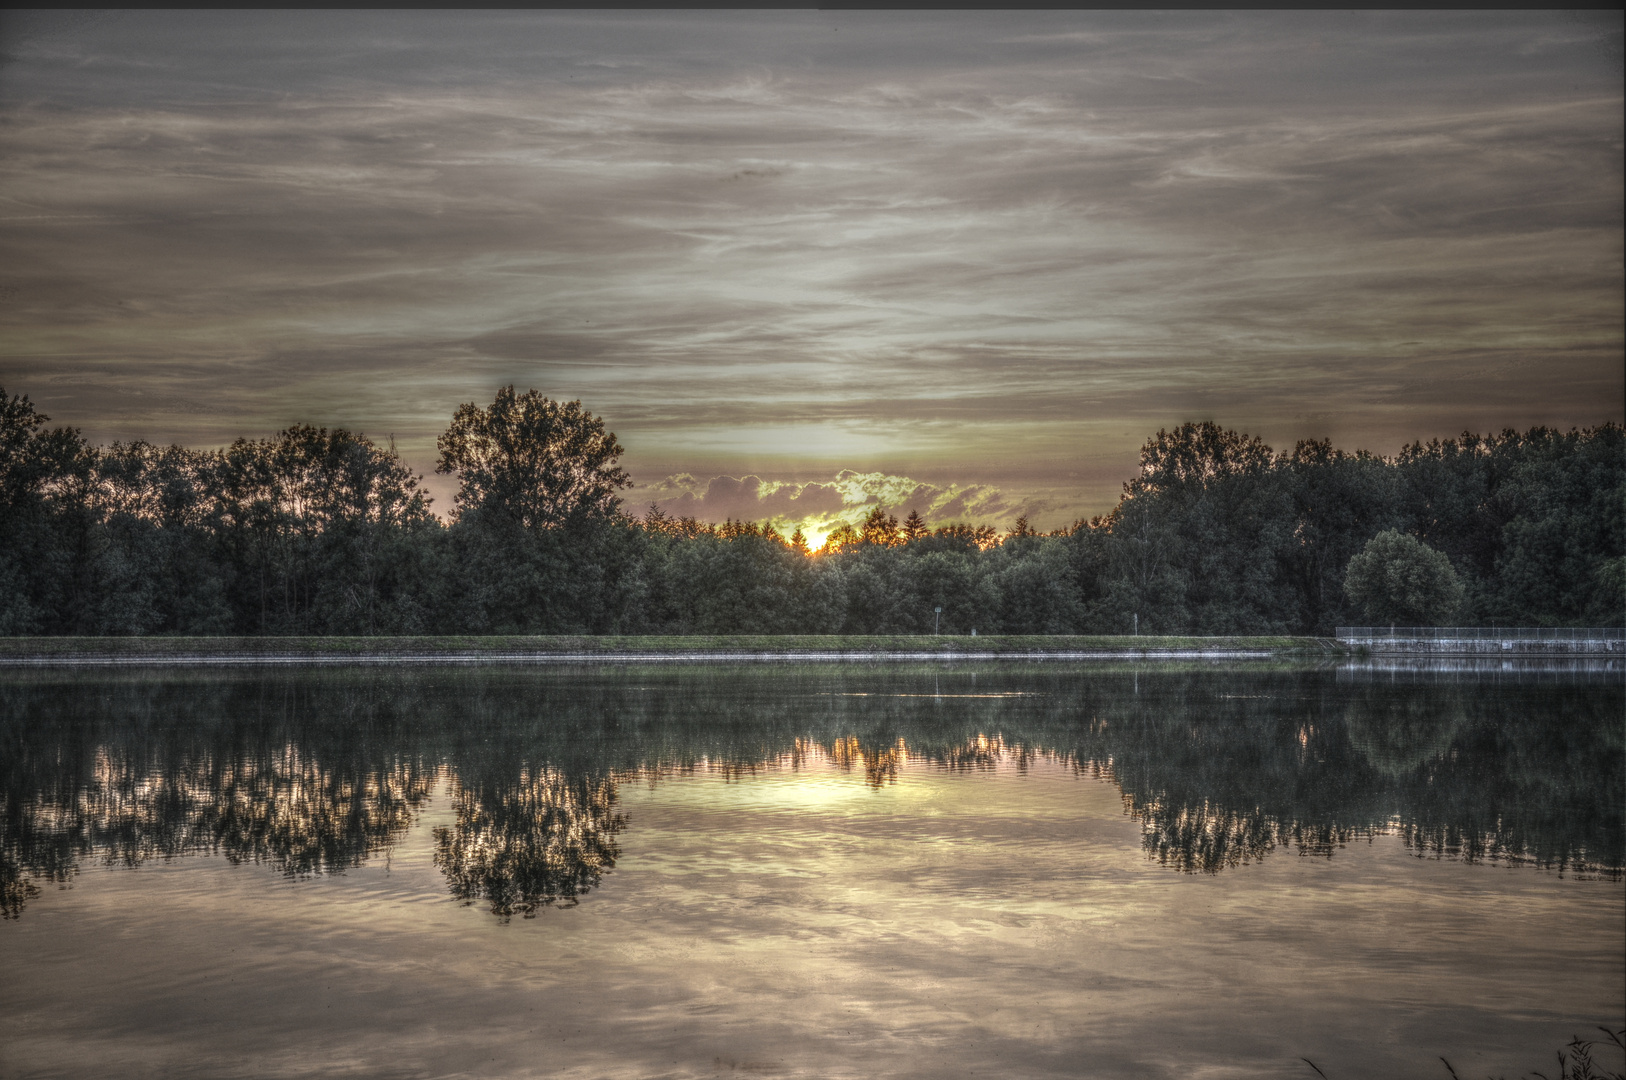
point(1575, 1061)
point(40, 648)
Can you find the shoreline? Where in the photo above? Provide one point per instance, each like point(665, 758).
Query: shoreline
point(191, 652)
point(27, 652)
point(403, 659)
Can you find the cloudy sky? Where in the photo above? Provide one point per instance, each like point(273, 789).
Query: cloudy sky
point(802, 262)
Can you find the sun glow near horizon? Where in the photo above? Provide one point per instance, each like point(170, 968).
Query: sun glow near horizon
point(815, 537)
point(717, 242)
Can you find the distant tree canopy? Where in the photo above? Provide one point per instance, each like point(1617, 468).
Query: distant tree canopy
point(326, 532)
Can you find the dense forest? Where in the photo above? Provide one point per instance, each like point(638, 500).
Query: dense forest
point(317, 531)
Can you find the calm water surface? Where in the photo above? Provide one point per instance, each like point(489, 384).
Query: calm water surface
point(1058, 870)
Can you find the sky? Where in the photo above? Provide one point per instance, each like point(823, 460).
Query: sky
point(805, 263)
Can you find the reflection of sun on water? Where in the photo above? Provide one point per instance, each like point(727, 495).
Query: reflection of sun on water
point(815, 773)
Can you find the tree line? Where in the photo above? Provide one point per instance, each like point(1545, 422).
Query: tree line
point(317, 531)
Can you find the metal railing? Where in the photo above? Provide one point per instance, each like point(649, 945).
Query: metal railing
point(1486, 633)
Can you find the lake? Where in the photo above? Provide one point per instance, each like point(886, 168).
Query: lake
point(1057, 869)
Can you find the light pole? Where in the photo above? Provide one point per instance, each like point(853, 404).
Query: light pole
point(1137, 623)
point(937, 617)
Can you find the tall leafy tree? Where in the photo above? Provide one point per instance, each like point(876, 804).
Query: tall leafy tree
point(1340, 501)
point(312, 521)
point(1398, 579)
point(540, 462)
point(50, 540)
point(1566, 504)
point(1213, 496)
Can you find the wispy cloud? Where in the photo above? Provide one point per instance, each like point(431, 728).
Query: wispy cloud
point(990, 248)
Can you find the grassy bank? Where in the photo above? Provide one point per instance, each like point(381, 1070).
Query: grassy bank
point(37, 649)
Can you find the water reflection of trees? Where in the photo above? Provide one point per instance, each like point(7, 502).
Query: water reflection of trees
point(136, 771)
point(318, 772)
point(1529, 773)
point(281, 807)
point(543, 838)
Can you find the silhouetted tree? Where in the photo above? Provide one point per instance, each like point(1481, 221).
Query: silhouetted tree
point(844, 536)
point(881, 528)
point(535, 460)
